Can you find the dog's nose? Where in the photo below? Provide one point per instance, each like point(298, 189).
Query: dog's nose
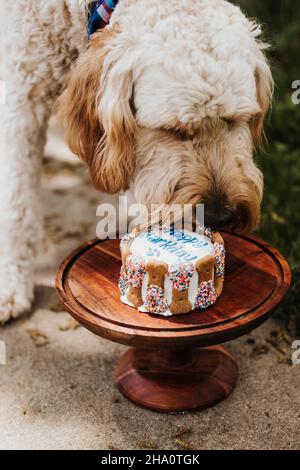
point(216, 215)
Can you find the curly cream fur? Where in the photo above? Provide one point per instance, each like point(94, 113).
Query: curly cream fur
point(168, 101)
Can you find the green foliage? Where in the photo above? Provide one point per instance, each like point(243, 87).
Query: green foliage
point(280, 161)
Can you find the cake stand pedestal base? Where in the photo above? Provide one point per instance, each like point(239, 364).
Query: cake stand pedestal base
point(176, 380)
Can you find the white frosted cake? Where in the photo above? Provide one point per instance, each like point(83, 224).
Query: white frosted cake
point(170, 272)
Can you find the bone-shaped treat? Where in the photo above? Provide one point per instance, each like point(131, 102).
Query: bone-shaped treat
point(156, 273)
point(155, 301)
point(135, 268)
point(206, 294)
point(180, 277)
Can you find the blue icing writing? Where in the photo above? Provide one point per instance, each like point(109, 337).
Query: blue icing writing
point(174, 247)
point(174, 233)
point(177, 235)
point(200, 244)
point(182, 253)
point(167, 244)
point(152, 238)
point(155, 240)
point(187, 239)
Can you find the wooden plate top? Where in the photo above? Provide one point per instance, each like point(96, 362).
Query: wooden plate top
point(257, 278)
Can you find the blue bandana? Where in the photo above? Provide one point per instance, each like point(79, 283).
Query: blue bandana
point(99, 13)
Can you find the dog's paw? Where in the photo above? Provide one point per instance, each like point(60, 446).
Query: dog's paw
point(16, 295)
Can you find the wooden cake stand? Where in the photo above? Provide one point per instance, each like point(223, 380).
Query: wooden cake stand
point(175, 363)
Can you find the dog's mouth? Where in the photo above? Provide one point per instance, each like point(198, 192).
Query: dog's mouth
point(240, 216)
point(240, 219)
point(218, 218)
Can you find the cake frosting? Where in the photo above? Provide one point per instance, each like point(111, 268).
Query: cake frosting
point(169, 272)
point(172, 247)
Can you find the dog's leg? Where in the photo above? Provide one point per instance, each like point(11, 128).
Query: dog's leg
point(33, 74)
point(22, 133)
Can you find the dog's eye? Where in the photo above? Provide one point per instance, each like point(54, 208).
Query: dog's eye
point(132, 105)
point(179, 132)
point(183, 135)
point(229, 121)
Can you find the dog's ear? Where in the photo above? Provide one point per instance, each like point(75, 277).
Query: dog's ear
point(264, 92)
point(96, 114)
point(76, 108)
point(115, 160)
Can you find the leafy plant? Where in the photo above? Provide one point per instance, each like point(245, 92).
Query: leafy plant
point(280, 161)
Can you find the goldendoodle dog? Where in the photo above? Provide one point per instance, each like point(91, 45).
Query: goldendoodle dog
point(167, 101)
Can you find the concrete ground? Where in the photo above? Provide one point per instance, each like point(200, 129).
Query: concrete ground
point(57, 388)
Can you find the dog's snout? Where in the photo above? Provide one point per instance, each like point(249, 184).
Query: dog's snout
point(217, 215)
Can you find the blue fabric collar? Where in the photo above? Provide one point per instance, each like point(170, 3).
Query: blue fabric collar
point(99, 13)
